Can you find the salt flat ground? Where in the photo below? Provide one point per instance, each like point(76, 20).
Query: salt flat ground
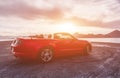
point(103, 62)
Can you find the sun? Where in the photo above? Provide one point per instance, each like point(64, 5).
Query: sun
point(66, 27)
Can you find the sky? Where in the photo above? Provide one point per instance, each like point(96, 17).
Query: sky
point(22, 17)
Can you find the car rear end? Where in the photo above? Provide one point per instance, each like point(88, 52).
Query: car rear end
point(23, 48)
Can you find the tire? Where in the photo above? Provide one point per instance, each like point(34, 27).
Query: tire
point(87, 50)
point(45, 55)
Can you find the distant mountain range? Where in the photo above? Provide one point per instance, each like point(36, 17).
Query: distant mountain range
point(113, 34)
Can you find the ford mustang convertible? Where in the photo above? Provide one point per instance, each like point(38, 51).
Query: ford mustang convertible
point(46, 48)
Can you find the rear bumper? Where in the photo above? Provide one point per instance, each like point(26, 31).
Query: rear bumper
point(24, 55)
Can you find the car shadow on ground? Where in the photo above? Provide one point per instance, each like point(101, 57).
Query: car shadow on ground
point(59, 60)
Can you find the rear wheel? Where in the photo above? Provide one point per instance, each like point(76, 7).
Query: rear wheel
point(46, 55)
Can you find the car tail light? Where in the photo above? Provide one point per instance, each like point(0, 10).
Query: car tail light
point(16, 42)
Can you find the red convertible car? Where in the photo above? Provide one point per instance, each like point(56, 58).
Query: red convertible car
point(48, 47)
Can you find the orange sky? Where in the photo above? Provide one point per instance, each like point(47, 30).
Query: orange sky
point(44, 16)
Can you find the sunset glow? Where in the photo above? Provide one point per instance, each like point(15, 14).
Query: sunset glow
point(40, 16)
point(66, 27)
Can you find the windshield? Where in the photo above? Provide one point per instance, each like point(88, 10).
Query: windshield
point(63, 36)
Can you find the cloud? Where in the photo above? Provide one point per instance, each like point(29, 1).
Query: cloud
point(99, 23)
point(24, 10)
point(113, 24)
point(107, 9)
point(85, 22)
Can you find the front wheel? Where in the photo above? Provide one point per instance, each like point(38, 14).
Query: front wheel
point(87, 50)
point(46, 55)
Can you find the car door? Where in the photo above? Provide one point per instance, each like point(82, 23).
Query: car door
point(63, 44)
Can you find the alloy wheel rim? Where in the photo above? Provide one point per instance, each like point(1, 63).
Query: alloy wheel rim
point(46, 55)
